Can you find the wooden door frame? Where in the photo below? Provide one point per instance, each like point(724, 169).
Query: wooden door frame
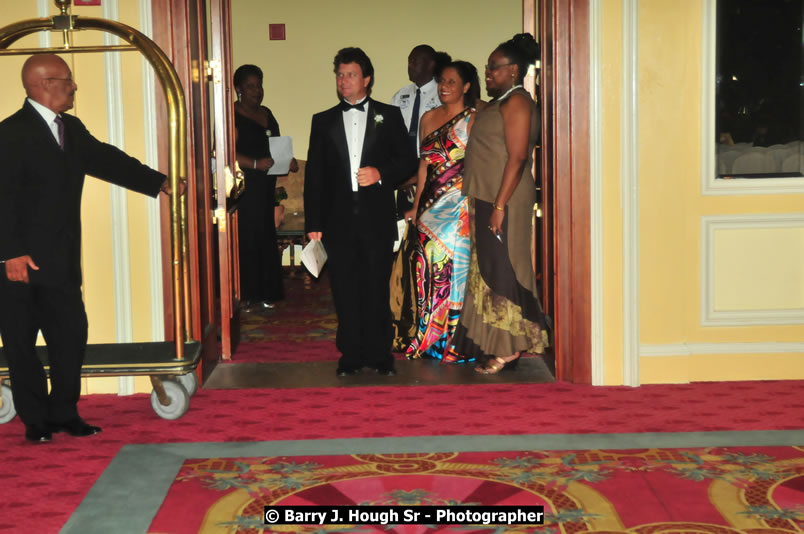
point(225, 158)
point(564, 35)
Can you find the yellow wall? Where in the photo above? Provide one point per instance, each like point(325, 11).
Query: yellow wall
point(669, 157)
point(298, 71)
point(676, 344)
point(90, 107)
point(756, 267)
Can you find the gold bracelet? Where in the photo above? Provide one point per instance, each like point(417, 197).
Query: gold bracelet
point(496, 207)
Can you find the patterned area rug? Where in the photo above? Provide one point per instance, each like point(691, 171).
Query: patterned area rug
point(722, 490)
point(44, 484)
point(306, 315)
point(300, 329)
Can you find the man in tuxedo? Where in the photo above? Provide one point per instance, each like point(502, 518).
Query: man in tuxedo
point(359, 152)
point(44, 155)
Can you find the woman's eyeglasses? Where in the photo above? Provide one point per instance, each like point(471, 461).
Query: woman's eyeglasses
point(492, 68)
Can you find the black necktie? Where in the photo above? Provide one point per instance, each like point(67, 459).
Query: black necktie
point(60, 127)
point(346, 106)
point(414, 118)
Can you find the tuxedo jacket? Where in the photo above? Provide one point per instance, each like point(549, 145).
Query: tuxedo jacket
point(328, 199)
point(41, 186)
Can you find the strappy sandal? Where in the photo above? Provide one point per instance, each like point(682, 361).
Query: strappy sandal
point(497, 364)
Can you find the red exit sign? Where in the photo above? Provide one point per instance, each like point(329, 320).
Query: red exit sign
point(87, 2)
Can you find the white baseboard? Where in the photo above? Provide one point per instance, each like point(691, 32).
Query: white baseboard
point(695, 349)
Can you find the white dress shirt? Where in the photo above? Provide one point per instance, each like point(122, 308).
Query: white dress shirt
point(354, 122)
point(49, 115)
point(405, 97)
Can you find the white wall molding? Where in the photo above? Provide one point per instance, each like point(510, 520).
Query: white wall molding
point(709, 315)
point(697, 349)
point(115, 124)
point(629, 183)
point(596, 192)
point(710, 184)
point(42, 11)
point(152, 205)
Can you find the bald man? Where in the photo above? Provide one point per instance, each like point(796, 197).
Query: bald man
point(44, 155)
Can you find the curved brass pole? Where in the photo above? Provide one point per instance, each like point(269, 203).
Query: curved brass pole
point(177, 161)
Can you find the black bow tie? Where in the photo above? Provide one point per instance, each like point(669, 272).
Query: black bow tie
point(346, 106)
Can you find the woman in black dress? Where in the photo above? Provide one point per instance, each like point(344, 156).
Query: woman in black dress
point(260, 263)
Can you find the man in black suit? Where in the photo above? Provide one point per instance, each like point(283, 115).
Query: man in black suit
point(44, 155)
point(359, 152)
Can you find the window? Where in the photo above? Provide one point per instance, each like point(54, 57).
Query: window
point(760, 88)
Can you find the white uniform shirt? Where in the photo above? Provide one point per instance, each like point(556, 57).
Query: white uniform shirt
point(405, 97)
point(354, 122)
point(49, 115)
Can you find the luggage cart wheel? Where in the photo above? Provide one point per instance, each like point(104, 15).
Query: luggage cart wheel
point(7, 411)
point(189, 381)
point(174, 401)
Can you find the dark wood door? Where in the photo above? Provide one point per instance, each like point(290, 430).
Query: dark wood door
point(564, 32)
point(543, 257)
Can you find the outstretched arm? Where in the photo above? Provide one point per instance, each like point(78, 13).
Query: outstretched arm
point(111, 164)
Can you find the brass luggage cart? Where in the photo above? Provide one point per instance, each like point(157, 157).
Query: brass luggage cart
point(171, 364)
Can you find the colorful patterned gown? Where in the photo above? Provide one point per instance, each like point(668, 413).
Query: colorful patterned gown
point(442, 251)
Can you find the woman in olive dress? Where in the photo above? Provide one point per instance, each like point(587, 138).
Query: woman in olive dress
point(502, 316)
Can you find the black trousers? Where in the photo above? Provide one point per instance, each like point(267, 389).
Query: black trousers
point(360, 270)
point(260, 263)
point(59, 313)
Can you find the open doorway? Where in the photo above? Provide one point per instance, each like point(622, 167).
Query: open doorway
point(563, 254)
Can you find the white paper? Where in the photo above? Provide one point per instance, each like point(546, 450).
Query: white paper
point(282, 153)
point(314, 257)
point(401, 230)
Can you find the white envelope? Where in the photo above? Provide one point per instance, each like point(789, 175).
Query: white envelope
point(314, 257)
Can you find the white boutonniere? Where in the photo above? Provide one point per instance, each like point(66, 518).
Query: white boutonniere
point(378, 119)
point(268, 133)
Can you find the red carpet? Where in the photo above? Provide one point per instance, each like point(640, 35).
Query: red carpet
point(50, 480)
point(716, 490)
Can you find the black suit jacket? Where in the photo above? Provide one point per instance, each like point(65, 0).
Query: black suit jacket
point(328, 198)
point(41, 186)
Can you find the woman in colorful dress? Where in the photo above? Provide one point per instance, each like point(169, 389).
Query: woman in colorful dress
point(441, 217)
point(502, 316)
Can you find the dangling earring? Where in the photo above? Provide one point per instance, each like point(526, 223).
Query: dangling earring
point(238, 96)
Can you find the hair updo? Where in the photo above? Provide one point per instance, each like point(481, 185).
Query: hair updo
point(441, 60)
point(522, 50)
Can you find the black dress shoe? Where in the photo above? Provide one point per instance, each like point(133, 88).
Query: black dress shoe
point(386, 370)
point(75, 427)
point(346, 371)
point(38, 433)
